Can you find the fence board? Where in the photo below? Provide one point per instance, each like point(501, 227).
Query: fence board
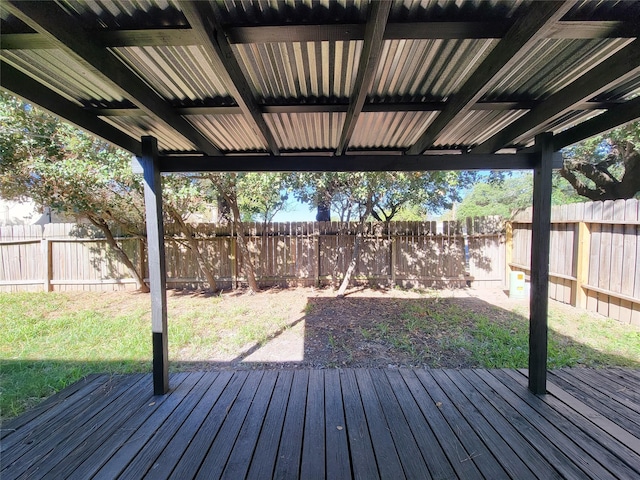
point(613, 277)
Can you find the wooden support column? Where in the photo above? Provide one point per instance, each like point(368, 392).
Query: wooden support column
point(540, 239)
point(157, 268)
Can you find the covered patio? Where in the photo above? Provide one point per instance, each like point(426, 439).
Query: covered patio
point(397, 85)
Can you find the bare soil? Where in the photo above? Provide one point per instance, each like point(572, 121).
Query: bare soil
point(372, 328)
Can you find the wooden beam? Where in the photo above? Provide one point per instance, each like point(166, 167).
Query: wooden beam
point(209, 32)
point(426, 31)
point(349, 163)
point(527, 30)
point(61, 29)
point(157, 267)
point(34, 92)
point(371, 51)
point(616, 70)
point(399, 107)
point(540, 241)
point(459, 30)
point(148, 37)
point(614, 117)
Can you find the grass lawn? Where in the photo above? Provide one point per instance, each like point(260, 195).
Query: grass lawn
point(51, 340)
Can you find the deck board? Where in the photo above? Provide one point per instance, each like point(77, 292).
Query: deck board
point(396, 423)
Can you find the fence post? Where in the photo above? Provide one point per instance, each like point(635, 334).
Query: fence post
point(316, 242)
point(508, 252)
point(48, 264)
point(579, 297)
point(234, 261)
point(394, 250)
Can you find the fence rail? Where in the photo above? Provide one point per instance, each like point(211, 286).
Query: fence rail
point(413, 254)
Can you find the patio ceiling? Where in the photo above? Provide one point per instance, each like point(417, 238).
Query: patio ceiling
point(304, 80)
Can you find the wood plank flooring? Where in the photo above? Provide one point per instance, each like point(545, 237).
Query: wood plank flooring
point(316, 424)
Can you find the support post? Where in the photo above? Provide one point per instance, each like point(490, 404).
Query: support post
point(157, 267)
point(540, 239)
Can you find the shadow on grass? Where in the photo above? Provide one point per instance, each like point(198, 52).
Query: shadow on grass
point(371, 332)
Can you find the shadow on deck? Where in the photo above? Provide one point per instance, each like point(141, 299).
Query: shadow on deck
point(396, 423)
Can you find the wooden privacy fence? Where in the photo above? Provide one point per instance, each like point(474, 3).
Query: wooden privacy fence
point(594, 258)
point(412, 254)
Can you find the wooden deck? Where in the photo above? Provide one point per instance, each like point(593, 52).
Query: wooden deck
point(333, 424)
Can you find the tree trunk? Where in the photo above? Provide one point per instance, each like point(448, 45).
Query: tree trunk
point(356, 248)
point(324, 211)
point(243, 247)
point(193, 246)
point(141, 286)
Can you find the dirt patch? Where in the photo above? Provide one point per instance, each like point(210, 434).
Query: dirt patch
point(371, 328)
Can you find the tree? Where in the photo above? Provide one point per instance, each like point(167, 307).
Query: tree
point(182, 196)
point(504, 195)
point(226, 187)
point(429, 191)
point(262, 195)
point(381, 195)
point(71, 172)
point(606, 167)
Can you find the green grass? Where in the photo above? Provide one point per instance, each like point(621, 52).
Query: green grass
point(500, 339)
point(46, 346)
point(50, 340)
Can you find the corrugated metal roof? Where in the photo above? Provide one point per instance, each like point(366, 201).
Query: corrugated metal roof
point(427, 68)
point(564, 122)
point(476, 126)
point(550, 66)
point(62, 74)
point(397, 130)
point(306, 131)
point(176, 73)
point(115, 14)
point(228, 132)
point(301, 69)
point(139, 126)
point(271, 12)
point(288, 70)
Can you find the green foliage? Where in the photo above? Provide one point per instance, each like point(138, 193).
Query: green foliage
point(262, 195)
point(61, 167)
point(506, 195)
point(388, 192)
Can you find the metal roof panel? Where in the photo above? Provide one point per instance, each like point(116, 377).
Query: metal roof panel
point(306, 131)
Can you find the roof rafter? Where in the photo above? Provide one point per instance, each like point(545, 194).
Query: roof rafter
point(27, 88)
point(619, 115)
point(525, 32)
point(372, 48)
point(59, 28)
point(617, 69)
point(210, 35)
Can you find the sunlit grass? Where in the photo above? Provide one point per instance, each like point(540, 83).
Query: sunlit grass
point(51, 340)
